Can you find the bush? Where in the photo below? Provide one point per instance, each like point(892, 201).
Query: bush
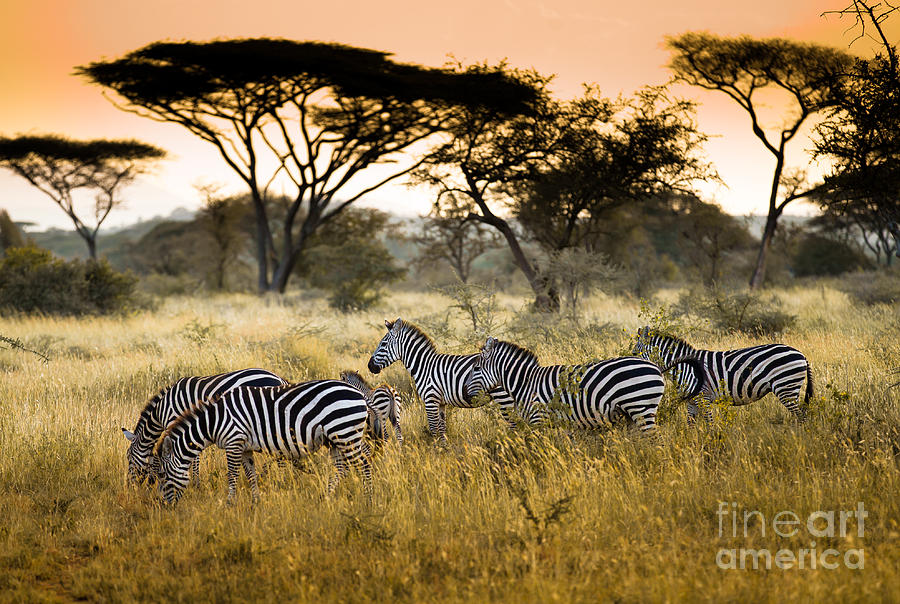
point(818, 255)
point(353, 273)
point(32, 280)
point(882, 287)
point(744, 312)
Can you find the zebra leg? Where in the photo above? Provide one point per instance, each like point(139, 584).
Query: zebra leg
point(691, 412)
point(340, 466)
point(646, 421)
point(234, 460)
point(437, 424)
point(360, 456)
point(250, 472)
point(790, 400)
point(195, 469)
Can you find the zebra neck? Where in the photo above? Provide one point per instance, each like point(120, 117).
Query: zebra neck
point(416, 353)
point(518, 384)
point(671, 350)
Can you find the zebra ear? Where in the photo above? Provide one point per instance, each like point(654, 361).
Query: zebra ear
point(388, 324)
point(128, 435)
point(489, 344)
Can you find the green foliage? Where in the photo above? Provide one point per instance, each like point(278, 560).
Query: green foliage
point(745, 312)
point(872, 288)
point(478, 303)
point(10, 234)
point(820, 255)
point(31, 280)
point(353, 273)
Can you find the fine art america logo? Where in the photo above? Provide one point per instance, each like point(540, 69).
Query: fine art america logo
point(735, 523)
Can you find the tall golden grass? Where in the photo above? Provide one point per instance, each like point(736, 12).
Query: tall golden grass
point(526, 516)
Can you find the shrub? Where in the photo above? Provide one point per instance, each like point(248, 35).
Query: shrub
point(353, 273)
point(32, 280)
point(745, 312)
point(872, 288)
point(818, 255)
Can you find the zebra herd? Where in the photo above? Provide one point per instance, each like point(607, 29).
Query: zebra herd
point(255, 410)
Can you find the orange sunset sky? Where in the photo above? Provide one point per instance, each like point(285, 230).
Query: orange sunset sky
point(618, 45)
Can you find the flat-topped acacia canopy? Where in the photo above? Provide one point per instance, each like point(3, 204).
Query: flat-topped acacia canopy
point(175, 71)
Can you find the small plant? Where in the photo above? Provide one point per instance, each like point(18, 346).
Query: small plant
point(16, 344)
point(542, 521)
point(199, 333)
point(744, 312)
point(478, 303)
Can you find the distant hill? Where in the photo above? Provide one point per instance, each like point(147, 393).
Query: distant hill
point(67, 244)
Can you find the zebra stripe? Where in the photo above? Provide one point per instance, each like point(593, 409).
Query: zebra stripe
point(439, 378)
point(591, 395)
point(172, 401)
point(743, 375)
point(383, 400)
point(292, 420)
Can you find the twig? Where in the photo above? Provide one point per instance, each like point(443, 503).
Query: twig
point(15, 343)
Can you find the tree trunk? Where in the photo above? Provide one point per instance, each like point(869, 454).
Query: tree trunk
point(92, 246)
point(262, 231)
point(759, 272)
point(546, 297)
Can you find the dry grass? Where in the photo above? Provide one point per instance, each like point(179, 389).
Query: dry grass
point(529, 516)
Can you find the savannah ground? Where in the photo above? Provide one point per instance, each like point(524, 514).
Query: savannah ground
point(527, 516)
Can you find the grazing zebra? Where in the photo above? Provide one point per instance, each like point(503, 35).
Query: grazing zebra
point(384, 400)
point(174, 400)
point(743, 375)
point(292, 420)
point(592, 395)
point(439, 378)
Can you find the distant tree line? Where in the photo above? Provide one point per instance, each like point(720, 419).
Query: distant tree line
point(557, 184)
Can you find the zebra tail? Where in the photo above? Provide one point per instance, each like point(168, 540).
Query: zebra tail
point(702, 381)
point(809, 385)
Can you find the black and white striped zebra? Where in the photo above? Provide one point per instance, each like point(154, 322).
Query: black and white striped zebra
point(591, 395)
point(292, 421)
point(439, 378)
point(744, 375)
point(174, 400)
point(383, 399)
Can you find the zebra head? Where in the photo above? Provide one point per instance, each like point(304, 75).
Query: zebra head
point(388, 349)
point(642, 345)
point(140, 457)
point(172, 471)
point(484, 375)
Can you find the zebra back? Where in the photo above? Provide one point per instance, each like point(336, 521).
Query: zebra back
point(170, 402)
point(291, 420)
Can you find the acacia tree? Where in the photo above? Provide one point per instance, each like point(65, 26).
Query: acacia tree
point(743, 68)
point(862, 137)
point(59, 167)
point(309, 116)
point(449, 235)
point(560, 167)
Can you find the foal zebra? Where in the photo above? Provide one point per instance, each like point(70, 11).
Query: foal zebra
point(744, 375)
point(592, 395)
point(174, 400)
point(383, 400)
point(292, 420)
point(439, 378)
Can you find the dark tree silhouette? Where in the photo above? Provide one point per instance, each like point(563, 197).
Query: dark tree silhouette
point(862, 137)
point(10, 233)
point(309, 116)
point(59, 167)
point(743, 68)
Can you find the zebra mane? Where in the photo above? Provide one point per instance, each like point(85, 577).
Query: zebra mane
point(150, 407)
point(521, 350)
point(184, 416)
point(668, 336)
point(417, 331)
point(354, 379)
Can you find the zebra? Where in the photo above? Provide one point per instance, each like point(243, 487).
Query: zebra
point(439, 378)
point(383, 400)
point(292, 420)
point(591, 395)
point(743, 375)
point(172, 401)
